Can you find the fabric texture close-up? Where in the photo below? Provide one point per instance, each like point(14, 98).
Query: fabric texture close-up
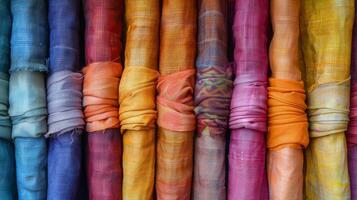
point(27, 96)
point(64, 101)
point(137, 112)
point(246, 174)
point(213, 92)
point(326, 28)
point(176, 118)
point(103, 49)
point(287, 119)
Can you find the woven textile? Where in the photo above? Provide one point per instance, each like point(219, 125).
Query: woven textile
point(28, 108)
point(137, 98)
point(31, 161)
point(327, 61)
point(213, 91)
point(64, 99)
point(248, 107)
point(104, 159)
point(5, 34)
point(7, 170)
point(176, 117)
point(29, 37)
point(5, 123)
point(103, 19)
point(288, 126)
point(64, 166)
point(64, 23)
point(352, 165)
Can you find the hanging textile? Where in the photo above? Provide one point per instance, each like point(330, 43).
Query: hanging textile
point(246, 175)
point(64, 101)
point(176, 119)
point(213, 91)
point(137, 98)
point(287, 120)
point(327, 62)
point(7, 160)
point(103, 20)
point(27, 96)
point(352, 128)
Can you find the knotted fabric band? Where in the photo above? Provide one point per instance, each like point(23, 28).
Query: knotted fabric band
point(329, 115)
point(28, 108)
point(100, 95)
point(64, 99)
point(288, 125)
point(248, 106)
point(137, 99)
point(174, 102)
point(213, 90)
point(352, 128)
point(29, 37)
point(5, 123)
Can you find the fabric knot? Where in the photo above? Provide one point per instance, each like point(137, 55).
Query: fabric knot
point(352, 128)
point(213, 91)
point(327, 114)
point(175, 102)
point(288, 124)
point(64, 102)
point(249, 104)
point(100, 95)
point(5, 123)
point(28, 108)
point(137, 99)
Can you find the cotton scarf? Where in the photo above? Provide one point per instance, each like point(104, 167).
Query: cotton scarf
point(103, 20)
point(137, 111)
point(27, 96)
point(64, 101)
point(327, 62)
point(176, 119)
point(246, 175)
point(213, 91)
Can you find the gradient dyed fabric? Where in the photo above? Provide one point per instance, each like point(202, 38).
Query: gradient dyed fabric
point(248, 107)
point(103, 20)
point(288, 126)
point(64, 101)
point(27, 96)
point(212, 99)
point(352, 128)
point(176, 119)
point(137, 98)
point(327, 61)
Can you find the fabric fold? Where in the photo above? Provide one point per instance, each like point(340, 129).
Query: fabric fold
point(175, 106)
point(327, 60)
point(100, 95)
point(175, 102)
point(28, 113)
point(248, 116)
point(64, 101)
point(287, 118)
point(137, 99)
